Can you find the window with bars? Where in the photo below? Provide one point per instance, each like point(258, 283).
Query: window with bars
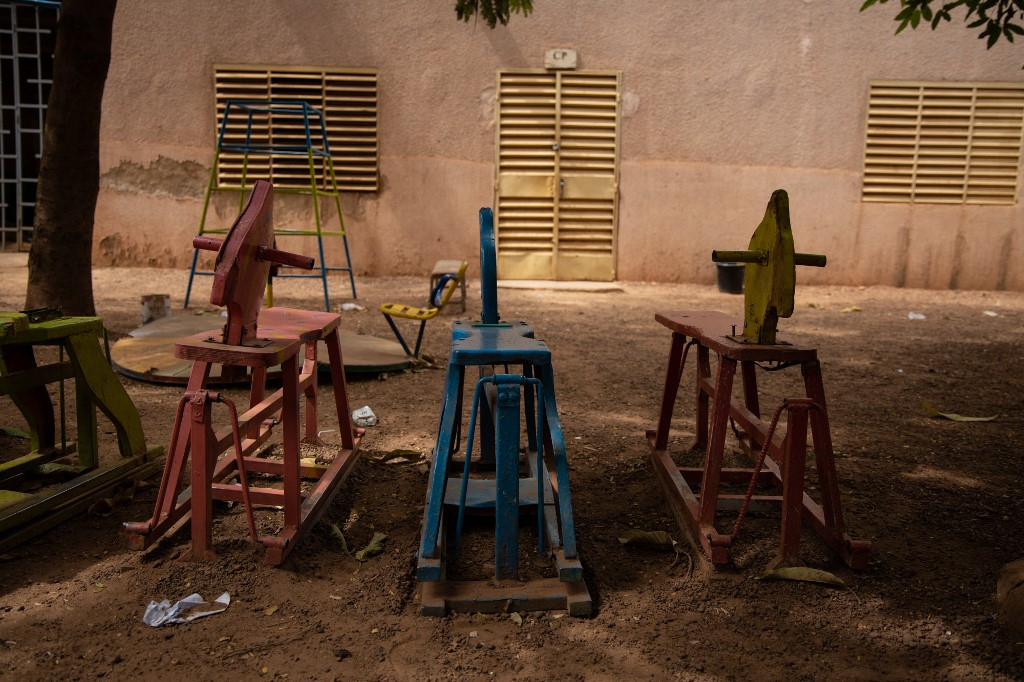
point(346, 97)
point(947, 143)
point(27, 38)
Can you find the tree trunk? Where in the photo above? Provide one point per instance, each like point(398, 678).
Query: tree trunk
point(60, 262)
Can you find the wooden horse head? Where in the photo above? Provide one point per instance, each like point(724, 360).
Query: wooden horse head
point(243, 264)
point(769, 280)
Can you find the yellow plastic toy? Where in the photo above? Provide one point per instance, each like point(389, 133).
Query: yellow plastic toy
point(439, 297)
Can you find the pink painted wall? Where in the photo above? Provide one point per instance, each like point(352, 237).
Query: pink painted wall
point(723, 102)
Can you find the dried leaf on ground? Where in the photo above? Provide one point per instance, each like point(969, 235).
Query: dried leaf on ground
point(657, 539)
point(805, 575)
point(340, 537)
point(955, 417)
point(400, 456)
point(375, 547)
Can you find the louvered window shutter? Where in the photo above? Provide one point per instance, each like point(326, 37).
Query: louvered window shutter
point(346, 97)
point(949, 143)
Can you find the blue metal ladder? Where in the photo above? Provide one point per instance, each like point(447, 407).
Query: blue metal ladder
point(288, 109)
point(501, 401)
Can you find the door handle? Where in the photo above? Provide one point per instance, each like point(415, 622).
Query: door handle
point(561, 187)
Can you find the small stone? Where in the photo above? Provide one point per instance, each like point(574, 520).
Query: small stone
point(1011, 612)
point(1010, 577)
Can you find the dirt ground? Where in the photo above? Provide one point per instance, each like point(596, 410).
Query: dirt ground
point(940, 500)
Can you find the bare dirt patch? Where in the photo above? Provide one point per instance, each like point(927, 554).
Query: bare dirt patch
point(940, 500)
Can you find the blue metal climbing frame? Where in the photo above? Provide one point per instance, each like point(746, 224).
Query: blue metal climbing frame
point(313, 149)
point(501, 402)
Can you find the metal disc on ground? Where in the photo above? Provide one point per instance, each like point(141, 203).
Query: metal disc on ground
point(147, 353)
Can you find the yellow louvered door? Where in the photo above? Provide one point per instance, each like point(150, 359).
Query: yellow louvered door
point(557, 174)
point(527, 138)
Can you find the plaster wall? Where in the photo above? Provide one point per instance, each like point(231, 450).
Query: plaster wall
point(722, 103)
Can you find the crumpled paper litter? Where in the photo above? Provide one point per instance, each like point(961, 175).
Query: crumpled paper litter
point(186, 610)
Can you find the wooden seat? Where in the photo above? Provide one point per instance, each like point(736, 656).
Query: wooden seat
point(258, 340)
point(306, 325)
point(200, 347)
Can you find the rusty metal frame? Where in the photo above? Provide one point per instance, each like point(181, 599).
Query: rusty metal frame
point(784, 463)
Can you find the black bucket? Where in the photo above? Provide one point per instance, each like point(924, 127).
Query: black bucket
point(730, 277)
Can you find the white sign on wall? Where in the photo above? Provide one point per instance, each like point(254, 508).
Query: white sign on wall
point(560, 58)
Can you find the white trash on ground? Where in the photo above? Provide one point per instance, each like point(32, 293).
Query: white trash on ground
point(364, 416)
point(188, 609)
point(915, 316)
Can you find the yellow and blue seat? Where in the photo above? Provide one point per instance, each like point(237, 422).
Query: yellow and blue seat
point(439, 297)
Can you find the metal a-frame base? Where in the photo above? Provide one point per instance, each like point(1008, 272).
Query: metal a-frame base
point(507, 494)
point(499, 401)
point(293, 109)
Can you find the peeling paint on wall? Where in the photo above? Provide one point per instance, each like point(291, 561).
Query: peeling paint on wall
point(353, 205)
point(630, 103)
point(115, 251)
point(1004, 260)
point(959, 248)
point(487, 106)
point(902, 255)
point(163, 177)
